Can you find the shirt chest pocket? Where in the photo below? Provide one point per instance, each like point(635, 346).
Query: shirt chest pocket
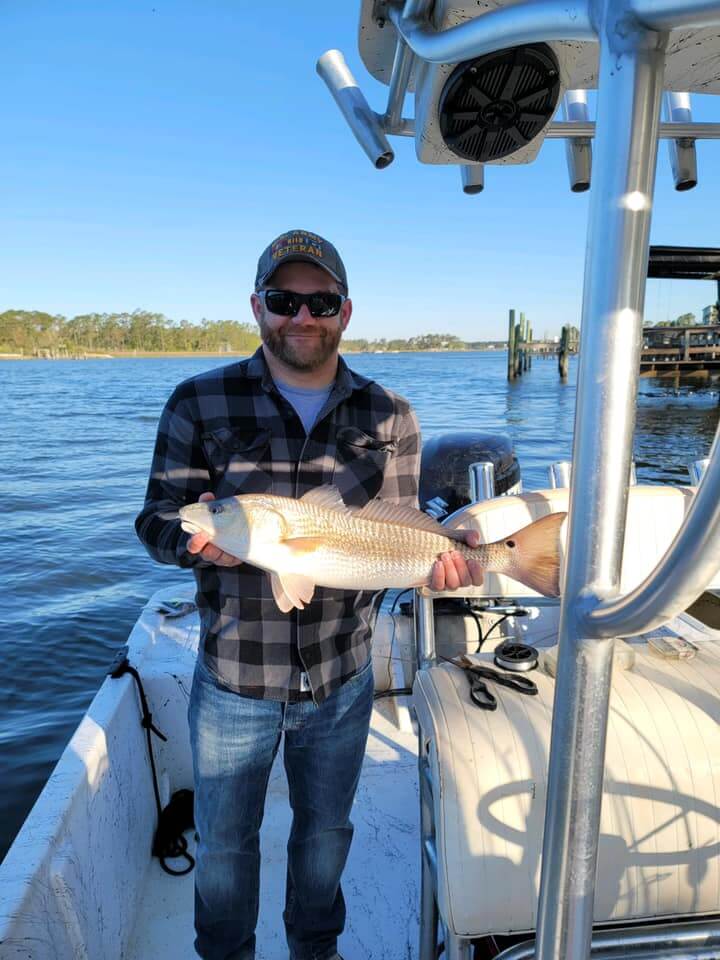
point(361, 463)
point(239, 461)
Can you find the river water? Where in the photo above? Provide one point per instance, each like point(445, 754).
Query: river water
point(77, 442)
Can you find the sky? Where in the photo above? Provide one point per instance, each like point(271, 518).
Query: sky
point(150, 150)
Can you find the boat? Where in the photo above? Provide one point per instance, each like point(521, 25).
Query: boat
point(582, 819)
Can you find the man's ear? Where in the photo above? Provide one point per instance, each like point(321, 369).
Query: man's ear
point(345, 314)
point(257, 307)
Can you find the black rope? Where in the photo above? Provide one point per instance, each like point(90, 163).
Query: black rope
point(168, 841)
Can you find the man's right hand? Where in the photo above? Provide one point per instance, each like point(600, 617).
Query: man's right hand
point(200, 543)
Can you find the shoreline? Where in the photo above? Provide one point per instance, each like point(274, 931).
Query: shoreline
point(149, 354)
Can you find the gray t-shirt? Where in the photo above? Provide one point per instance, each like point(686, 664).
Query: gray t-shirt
point(307, 403)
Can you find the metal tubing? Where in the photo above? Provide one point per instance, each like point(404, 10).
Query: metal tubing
point(482, 481)
point(690, 564)
point(457, 948)
point(528, 22)
point(560, 129)
point(629, 97)
point(560, 472)
point(666, 14)
point(683, 157)
point(696, 469)
point(578, 150)
point(428, 859)
point(473, 178)
point(424, 630)
point(405, 128)
point(705, 934)
point(399, 79)
point(363, 122)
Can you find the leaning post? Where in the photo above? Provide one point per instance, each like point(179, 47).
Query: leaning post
point(630, 84)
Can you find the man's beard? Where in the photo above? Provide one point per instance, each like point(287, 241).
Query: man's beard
point(298, 355)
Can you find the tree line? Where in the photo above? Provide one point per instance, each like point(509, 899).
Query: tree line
point(34, 333)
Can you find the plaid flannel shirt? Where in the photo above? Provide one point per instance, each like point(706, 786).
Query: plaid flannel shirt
point(230, 431)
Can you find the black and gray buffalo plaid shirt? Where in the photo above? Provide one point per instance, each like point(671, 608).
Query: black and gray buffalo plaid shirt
point(230, 431)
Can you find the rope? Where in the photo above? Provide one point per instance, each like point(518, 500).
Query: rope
point(168, 841)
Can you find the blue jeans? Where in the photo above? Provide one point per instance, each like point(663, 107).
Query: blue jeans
point(234, 741)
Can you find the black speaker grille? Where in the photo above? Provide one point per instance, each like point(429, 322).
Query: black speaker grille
point(495, 105)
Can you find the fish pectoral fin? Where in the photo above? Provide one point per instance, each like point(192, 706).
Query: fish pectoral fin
point(302, 545)
point(291, 590)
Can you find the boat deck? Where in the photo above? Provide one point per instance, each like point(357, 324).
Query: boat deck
point(380, 881)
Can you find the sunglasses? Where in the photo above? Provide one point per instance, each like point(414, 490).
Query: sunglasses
point(287, 303)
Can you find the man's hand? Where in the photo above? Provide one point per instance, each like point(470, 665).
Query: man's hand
point(200, 543)
point(451, 571)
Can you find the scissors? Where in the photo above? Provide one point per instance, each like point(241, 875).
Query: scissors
point(480, 695)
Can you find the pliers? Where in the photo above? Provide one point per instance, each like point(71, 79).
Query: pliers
point(480, 695)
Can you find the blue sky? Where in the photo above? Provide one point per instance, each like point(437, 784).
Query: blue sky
point(150, 150)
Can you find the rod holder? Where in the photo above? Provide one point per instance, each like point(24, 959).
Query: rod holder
point(683, 157)
point(559, 474)
point(362, 120)
point(482, 481)
point(473, 178)
point(578, 150)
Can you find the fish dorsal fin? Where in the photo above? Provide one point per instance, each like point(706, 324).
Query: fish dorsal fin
point(327, 496)
point(384, 511)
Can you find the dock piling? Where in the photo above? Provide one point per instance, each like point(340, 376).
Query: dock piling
point(511, 346)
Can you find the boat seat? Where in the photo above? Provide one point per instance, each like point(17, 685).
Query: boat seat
point(654, 516)
point(660, 829)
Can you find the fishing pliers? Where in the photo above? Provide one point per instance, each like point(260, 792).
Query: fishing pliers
point(480, 695)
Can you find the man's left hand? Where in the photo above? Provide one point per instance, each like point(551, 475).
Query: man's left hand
point(451, 571)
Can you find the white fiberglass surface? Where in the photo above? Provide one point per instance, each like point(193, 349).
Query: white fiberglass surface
point(380, 882)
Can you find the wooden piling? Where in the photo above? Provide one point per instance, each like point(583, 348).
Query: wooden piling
point(518, 350)
point(511, 346)
point(563, 355)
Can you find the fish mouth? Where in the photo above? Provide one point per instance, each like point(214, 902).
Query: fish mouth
point(189, 527)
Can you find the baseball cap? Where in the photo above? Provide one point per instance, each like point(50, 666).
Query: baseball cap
point(301, 245)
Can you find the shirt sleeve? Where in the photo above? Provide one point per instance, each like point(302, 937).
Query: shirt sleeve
point(402, 474)
point(178, 475)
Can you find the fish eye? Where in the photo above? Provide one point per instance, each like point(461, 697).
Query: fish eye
point(216, 508)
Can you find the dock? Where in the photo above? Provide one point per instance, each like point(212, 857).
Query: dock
point(692, 350)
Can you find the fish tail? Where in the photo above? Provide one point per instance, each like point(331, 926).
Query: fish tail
point(536, 554)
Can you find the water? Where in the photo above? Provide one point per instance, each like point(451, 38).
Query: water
point(77, 442)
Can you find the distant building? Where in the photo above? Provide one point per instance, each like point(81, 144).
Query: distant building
point(710, 315)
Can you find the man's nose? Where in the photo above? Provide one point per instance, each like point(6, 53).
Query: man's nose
point(303, 315)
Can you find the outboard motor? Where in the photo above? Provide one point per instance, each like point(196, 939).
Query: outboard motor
point(445, 461)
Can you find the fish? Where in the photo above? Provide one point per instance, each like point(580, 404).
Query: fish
point(317, 540)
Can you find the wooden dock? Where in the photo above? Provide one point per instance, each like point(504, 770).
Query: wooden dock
point(689, 351)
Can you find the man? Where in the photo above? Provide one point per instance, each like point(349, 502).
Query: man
point(290, 418)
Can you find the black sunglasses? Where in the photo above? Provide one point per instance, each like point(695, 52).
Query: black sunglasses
point(287, 303)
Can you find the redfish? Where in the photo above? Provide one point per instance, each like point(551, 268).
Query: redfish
point(319, 541)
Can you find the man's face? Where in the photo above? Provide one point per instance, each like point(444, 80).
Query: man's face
point(303, 342)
